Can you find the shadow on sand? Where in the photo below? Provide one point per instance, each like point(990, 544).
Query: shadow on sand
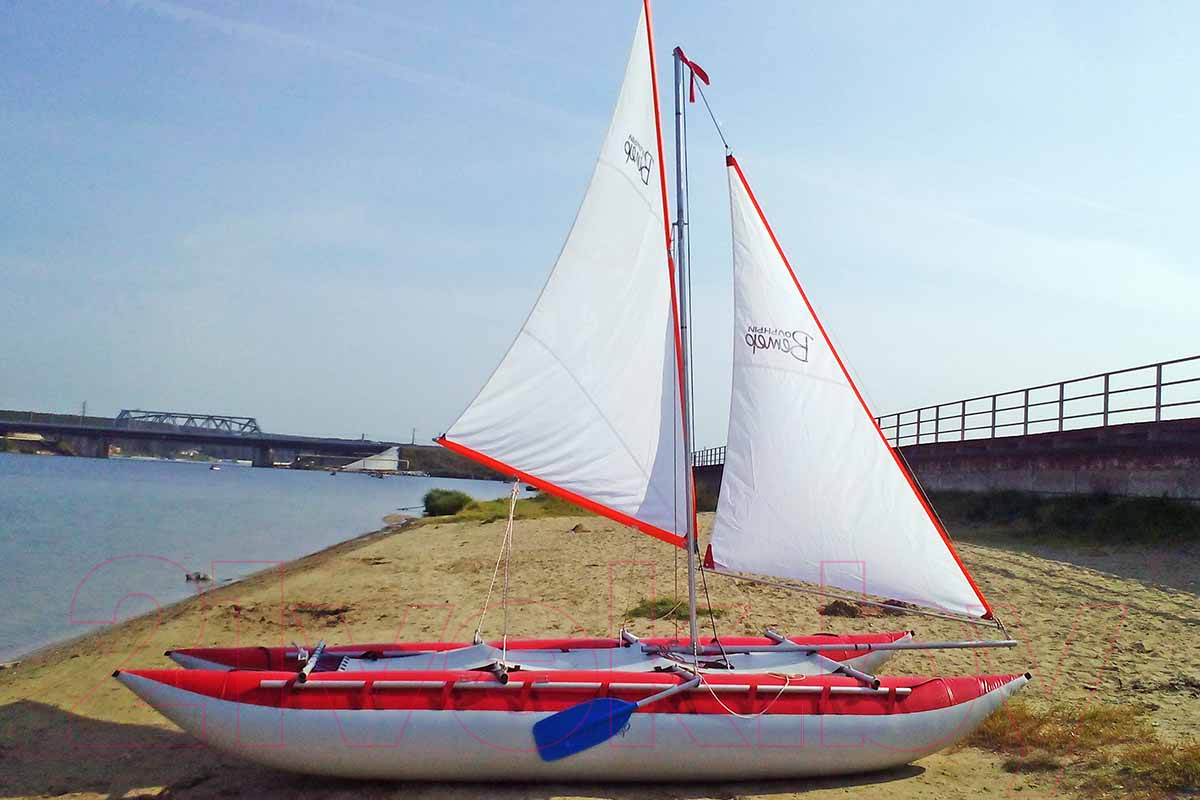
point(37, 757)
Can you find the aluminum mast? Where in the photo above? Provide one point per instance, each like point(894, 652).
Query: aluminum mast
point(681, 288)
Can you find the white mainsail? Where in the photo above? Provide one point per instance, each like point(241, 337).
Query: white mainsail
point(387, 461)
point(586, 403)
point(811, 489)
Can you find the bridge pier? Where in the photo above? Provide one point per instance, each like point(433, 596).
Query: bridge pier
point(85, 446)
point(263, 457)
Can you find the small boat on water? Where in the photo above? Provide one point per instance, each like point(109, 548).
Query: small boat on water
point(378, 465)
point(590, 403)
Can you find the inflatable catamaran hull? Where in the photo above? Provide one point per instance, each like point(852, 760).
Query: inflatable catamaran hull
point(585, 654)
point(470, 728)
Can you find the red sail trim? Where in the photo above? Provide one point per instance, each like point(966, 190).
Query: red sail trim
point(662, 176)
point(732, 162)
point(565, 494)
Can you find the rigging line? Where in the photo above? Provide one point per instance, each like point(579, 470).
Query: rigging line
point(633, 565)
point(508, 537)
point(686, 222)
point(855, 599)
point(713, 117)
point(712, 617)
point(676, 549)
point(496, 571)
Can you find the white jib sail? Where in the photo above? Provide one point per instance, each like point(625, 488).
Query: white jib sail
point(586, 403)
point(811, 490)
point(387, 461)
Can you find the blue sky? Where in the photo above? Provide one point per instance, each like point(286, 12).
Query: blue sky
point(334, 216)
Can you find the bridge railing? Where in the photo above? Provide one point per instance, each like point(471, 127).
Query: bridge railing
point(1148, 393)
point(709, 457)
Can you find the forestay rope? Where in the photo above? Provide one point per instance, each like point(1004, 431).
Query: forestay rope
point(505, 557)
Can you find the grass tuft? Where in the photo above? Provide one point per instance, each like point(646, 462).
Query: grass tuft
point(667, 608)
point(1159, 770)
point(1060, 730)
point(1107, 748)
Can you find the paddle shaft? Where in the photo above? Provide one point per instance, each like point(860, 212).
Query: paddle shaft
point(654, 698)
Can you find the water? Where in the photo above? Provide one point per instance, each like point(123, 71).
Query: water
point(81, 540)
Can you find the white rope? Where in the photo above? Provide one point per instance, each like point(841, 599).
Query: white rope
point(787, 681)
point(508, 539)
point(502, 556)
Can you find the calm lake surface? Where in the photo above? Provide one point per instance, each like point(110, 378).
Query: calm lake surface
point(100, 533)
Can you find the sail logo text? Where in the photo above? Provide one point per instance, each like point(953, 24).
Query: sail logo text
point(642, 160)
point(794, 343)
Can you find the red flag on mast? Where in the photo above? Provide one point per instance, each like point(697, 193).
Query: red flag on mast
point(695, 71)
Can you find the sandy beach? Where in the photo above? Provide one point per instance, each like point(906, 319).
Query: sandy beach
point(1099, 625)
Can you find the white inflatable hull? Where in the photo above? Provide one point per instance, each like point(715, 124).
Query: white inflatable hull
point(491, 745)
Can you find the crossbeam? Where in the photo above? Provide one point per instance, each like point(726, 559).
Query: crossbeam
point(853, 647)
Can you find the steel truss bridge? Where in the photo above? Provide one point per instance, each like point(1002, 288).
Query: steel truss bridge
point(96, 434)
point(129, 418)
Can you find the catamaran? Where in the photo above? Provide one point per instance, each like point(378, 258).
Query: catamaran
point(591, 403)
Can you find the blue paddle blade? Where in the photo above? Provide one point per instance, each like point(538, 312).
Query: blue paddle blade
point(579, 727)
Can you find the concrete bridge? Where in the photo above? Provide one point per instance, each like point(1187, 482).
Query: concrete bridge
point(1132, 431)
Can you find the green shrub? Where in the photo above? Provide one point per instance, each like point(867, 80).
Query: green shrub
point(444, 502)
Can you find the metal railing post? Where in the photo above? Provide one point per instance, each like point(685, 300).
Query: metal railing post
point(993, 436)
point(937, 424)
point(962, 421)
point(1061, 389)
point(918, 441)
point(1025, 415)
point(1158, 393)
point(1106, 400)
